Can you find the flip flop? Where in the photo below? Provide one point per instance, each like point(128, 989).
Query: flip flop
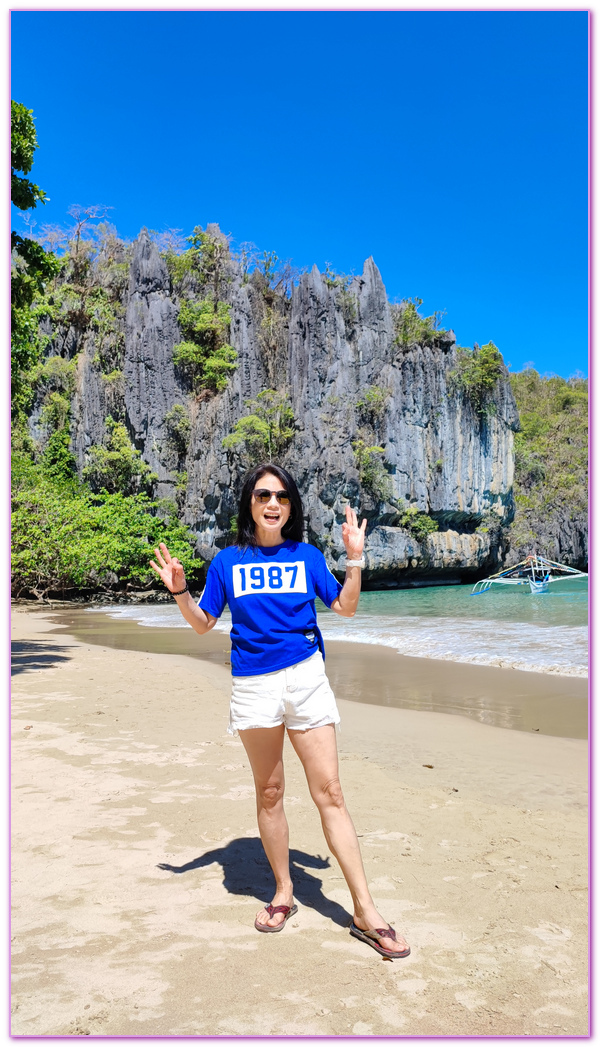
point(372, 938)
point(287, 910)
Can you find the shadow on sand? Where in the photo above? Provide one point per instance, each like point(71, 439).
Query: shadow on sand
point(27, 655)
point(247, 871)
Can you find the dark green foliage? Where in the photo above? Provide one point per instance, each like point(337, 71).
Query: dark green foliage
point(31, 266)
point(369, 457)
point(181, 482)
point(205, 369)
point(372, 403)
point(371, 470)
point(56, 411)
point(31, 270)
point(206, 260)
point(179, 265)
point(266, 431)
point(178, 427)
point(551, 451)
point(66, 539)
point(204, 322)
point(268, 266)
point(413, 329)
point(58, 462)
point(476, 375)
point(418, 523)
point(204, 356)
point(23, 143)
point(117, 466)
point(55, 374)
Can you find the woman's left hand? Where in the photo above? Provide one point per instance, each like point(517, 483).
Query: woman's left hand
point(353, 536)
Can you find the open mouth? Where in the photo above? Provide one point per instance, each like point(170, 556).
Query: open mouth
point(273, 517)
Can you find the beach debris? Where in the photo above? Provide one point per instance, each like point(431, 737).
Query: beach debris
point(454, 790)
point(29, 727)
point(430, 765)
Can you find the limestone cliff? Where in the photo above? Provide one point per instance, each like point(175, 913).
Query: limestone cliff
point(332, 343)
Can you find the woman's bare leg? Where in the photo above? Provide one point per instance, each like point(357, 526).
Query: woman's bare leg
point(317, 749)
point(264, 746)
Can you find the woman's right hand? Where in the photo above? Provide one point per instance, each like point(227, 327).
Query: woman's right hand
point(168, 569)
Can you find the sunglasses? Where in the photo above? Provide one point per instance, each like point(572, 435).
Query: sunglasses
point(263, 496)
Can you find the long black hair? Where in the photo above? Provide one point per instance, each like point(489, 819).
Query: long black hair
point(293, 529)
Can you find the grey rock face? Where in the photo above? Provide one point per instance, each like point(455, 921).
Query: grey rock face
point(334, 342)
point(560, 535)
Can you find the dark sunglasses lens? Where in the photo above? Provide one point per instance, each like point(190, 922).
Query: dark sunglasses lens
point(264, 496)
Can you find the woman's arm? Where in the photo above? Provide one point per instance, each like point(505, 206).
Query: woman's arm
point(171, 572)
point(354, 539)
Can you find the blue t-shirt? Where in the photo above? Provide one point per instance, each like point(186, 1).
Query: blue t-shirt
point(271, 595)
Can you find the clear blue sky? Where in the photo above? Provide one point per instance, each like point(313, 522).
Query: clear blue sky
point(451, 146)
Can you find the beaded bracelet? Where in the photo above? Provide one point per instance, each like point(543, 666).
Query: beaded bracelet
point(181, 592)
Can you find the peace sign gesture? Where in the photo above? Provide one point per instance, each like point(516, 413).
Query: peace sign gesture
point(353, 536)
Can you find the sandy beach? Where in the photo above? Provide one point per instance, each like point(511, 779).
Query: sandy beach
point(137, 867)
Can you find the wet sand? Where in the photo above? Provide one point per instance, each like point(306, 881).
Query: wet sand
point(509, 698)
point(137, 868)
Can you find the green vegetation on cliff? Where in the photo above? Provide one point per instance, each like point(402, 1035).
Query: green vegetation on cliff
point(264, 434)
point(205, 356)
point(551, 460)
point(73, 536)
point(413, 329)
point(68, 541)
point(476, 375)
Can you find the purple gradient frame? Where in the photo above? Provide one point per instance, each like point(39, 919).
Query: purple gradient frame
point(226, 1039)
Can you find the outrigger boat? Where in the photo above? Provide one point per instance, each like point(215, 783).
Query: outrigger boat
point(535, 571)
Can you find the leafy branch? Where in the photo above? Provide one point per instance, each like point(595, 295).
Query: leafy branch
point(265, 433)
point(476, 374)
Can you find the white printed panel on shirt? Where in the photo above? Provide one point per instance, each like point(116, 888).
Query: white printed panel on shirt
point(269, 578)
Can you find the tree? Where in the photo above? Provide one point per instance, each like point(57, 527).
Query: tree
point(267, 431)
point(117, 466)
point(23, 143)
point(412, 328)
point(31, 265)
point(476, 375)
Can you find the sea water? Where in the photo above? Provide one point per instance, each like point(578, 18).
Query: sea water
point(507, 627)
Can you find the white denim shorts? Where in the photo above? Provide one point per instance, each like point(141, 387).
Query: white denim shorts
point(299, 697)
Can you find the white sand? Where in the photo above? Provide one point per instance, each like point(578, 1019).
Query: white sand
point(121, 762)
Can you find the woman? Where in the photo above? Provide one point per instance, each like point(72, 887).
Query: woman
point(270, 578)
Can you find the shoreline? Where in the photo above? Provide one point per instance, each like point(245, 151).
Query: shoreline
point(544, 703)
point(67, 606)
point(138, 869)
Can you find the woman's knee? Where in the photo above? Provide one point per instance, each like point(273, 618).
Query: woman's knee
point(329, 795)
point(269, 794)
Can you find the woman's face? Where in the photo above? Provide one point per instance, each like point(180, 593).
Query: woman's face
point(269, 517)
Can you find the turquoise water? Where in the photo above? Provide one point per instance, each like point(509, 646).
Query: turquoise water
point(506, 627)
point(566, 607)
